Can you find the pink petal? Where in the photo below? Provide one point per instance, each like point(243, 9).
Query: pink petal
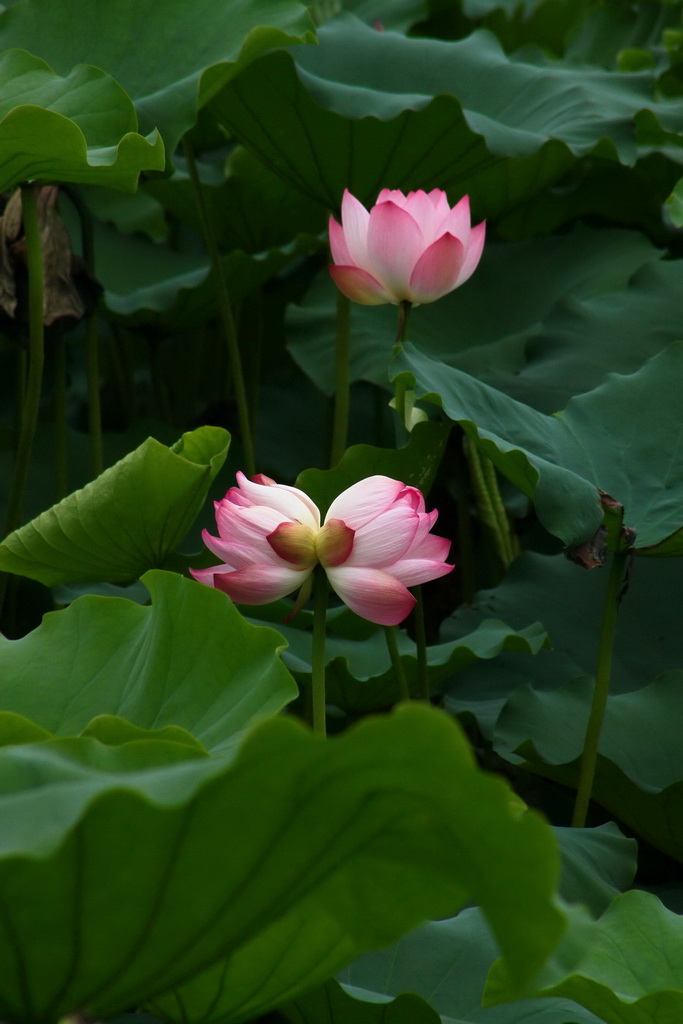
point(391, 195)
point(436, 272)
point(421, 209)
point(260, 584)
point(395, 243)
point(385, 539)
point(248, 526)
point(338, 247)
point(237, 556)
point(359, 286)
point(206, 575)
point(439, 201)
point(412, 571)
point(473, 254)
point(457, 222)
point(293, 503)
point(355, 221)
point(372, 594)
point(364, 500)
point(431, 547)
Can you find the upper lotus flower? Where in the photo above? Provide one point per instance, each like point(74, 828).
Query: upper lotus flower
point(412, 248)
point(375, 542)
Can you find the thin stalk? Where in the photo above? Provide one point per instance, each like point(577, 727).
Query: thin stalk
point(92, 353)
point(340, 422)
point(467, 567)
point(225, 312)
point(602, 683)
point(397, 664)
point(421, 644)
point(61, 464)
point(36, 358)
point(490, 504)
point(402, 430)
point(318, 701)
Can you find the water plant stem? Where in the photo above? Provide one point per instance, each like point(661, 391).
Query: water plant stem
point(602, 683)
point(225, 312)
point(400, 392)
point(421, 645)
point(340, 423)
point(397, 664)
point(36, 358)
point(490, 504)
point(318, 702)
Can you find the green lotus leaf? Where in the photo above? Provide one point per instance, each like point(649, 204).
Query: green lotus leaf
point(169, 58)
point(607, 439)
point(129, 869)
point(80, 128)
point(128, 520)
point(188, 661)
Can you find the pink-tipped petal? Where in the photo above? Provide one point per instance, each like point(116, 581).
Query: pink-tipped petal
point(359, 286)
point(372, 594)
point(433, 548)
point(392, 195)
point(411, 571)
point(364, 500)
point(473, 254)
point(458, 222)
point(437, 270)
point(395, 243)
point(422, 210)
point(260, 584)
point(355, 221)
point(248, 526)
point(385, 539)
point(289, 501)
point(205, 576)
point(338, 247)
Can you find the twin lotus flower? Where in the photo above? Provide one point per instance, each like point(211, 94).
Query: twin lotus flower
point(412, 248)
point(376, 540)
point(374, 544)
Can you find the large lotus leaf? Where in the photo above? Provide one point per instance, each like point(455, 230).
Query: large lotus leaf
point(607, 439)
point(569, 601)
point(128, 520)
point(626, 971)
point(371, 109)
point(532, 342)
point(189, 660)
point(447, 962)
point(331, 1004)
point(80, 128)
point(169, 58)
point(128, 869)
point(246, 984)
point(637, 779)
point(416, 464)
point(359, 674)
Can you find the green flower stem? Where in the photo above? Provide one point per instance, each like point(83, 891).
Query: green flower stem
point(421, 644)
point(36, 359)
point(226, 315)
point(466, 559)
point(490, 504)
point(61, 461)
point(397, 664)
point(400, 394)
point(318, 702)
point(602, 683)
point(340, 423)
point(91, 340)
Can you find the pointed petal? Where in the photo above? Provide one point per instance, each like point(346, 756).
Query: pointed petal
point(250, 525)
point(422, 210)
point(458, 222)
point(364, 500)
point(393, 195)
point(359, 286)
point(411, 571)
point(372, 594)
point(206, 575)
point(436, 272)
point(473, 254)
point(385, 539)
point(260, 584)
point(235, 556)
point(338, 247)
point(395, 243)
point(291, 502)
point(355, 221)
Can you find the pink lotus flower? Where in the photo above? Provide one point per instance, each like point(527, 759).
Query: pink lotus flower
point(412, 248)
point(374, 544)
